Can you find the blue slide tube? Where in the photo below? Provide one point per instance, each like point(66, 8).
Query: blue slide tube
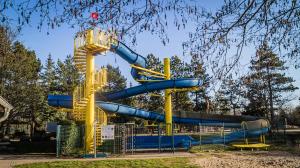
point(240, 134)
point(66, 102)
point(153, 86)
point(150, 115)
point(127, 54)
point(131, 57)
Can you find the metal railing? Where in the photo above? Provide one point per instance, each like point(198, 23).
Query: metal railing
point(94, 37)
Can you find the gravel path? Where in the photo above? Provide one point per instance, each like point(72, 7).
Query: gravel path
point(248, 160)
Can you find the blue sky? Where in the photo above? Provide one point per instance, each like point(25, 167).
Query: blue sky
point(59, 43)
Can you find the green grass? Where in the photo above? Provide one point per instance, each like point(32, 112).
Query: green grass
point(141, 163)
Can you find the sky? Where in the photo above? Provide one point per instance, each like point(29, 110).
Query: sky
point(59, 43)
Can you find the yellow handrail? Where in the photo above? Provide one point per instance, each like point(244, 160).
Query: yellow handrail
point(141, 80)
point(147, 70)
point(150, 75)
point(186, 89)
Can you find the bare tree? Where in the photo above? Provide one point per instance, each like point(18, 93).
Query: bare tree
point(234, 26)
point(126, 16)
point(240, 23)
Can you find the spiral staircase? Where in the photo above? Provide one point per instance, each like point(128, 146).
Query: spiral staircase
point(90, 43)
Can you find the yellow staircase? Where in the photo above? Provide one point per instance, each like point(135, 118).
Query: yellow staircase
point(80, 101)
point(101, 119)
point(87, 45)
point(80, 60)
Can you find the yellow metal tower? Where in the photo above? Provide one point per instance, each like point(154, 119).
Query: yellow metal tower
point(87, 45)
point(168, 98)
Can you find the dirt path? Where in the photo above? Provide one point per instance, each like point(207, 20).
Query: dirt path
point(8, 161)
point(248, 160)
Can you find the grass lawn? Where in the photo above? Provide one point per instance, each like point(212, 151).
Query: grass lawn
point(134, 163)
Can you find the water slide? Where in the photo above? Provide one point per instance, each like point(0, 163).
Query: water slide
point(133, 58)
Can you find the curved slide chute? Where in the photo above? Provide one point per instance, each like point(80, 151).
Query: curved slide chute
point(160, 84)
point(131, 57)
point(66, 102)
point(153, 86)
point(240, 134)
point(204, 120)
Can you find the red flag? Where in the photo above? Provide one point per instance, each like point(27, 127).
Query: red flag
point(95, 15)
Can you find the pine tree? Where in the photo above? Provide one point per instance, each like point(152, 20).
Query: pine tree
point(116, 81)
point(155, 99)
point(21, 86)
point(294, 117)
point(181, 100)
point(266, 83)
point(49, 76)
point(67, 76)
point(222, 101)
point(50, 85)
point(200, 97)
point(228, 97)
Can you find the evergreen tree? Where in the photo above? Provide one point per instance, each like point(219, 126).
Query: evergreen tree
point(26, 86)
point(155, 99)
point(20, 85)
point(266, 83)
point(5, 53)
point(222, 101)
point(200, 97)
point(294, 117)
point(228, 97)
point(181, 100)
point(67, 75)
point(116, 81)
point(50, 85)
point(49, 76)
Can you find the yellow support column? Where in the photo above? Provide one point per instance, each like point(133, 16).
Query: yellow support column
point(103, 84)
point(90, 112)
point(168, 98)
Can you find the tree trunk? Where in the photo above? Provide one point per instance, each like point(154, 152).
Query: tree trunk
point(32, 126)
point(270, 97)
point(197, 101)
point(207, 104)
point(234, 110)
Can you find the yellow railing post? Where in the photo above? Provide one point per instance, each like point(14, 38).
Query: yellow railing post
point(168, 98)
point(103, 84)
point(89, 38)
point(261, 138)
